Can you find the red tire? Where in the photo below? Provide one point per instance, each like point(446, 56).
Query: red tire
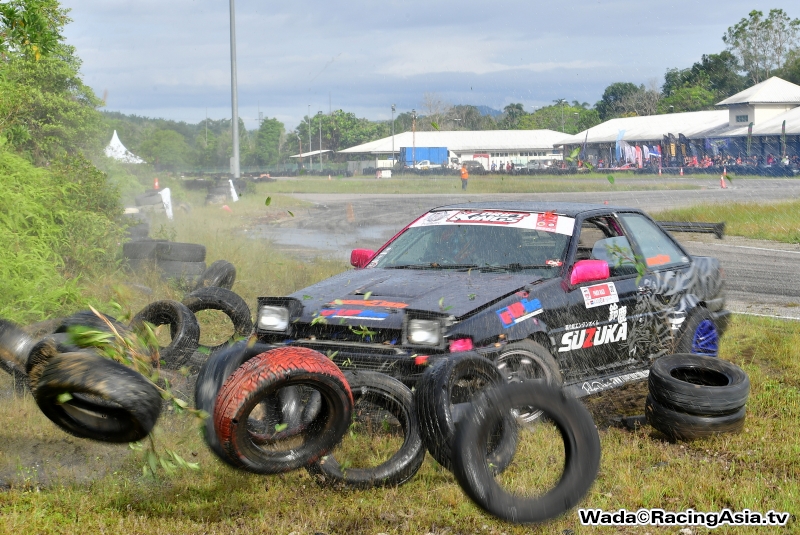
point(266, 451)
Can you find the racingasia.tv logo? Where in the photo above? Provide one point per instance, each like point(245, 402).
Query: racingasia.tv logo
point(593, 336)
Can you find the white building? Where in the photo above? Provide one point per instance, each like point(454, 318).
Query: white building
point(485, 146)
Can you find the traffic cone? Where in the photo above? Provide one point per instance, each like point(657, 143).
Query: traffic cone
point(329, 177)
point(724, 171)
point(722, 182)
point(659, 171)
point(155, 183)
point(681, 171)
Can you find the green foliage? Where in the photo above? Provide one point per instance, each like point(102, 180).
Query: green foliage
point(268, 142)
point(31, 28)
point(718, 73)
point(166, 149)
point(608, 106)
point(688, 98)
point(51, 234)
point(566, 118)
point(763, 44)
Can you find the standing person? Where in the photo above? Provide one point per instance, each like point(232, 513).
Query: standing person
point(464, 177)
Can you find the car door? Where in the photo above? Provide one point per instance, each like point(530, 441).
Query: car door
point(662, 300)
point(592, 337)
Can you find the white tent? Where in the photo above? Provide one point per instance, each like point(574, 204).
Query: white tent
point(117, 150)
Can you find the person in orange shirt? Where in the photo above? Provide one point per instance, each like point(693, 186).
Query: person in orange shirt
point(464, 177)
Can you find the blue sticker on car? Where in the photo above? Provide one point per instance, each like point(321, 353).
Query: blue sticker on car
point(519, 311)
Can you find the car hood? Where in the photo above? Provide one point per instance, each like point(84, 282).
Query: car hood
point(384, 293)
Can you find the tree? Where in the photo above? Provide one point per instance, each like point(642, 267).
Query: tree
point(574, 119)
point(688, 98)
point(512, 114)
point(268, 142)
point(166, 149)
point(643, 101)
point(31, 28)
point(763, 45)
point(609, 105)
point(791, 71)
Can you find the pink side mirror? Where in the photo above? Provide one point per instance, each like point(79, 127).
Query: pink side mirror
point(359, 258)
point(588, 270)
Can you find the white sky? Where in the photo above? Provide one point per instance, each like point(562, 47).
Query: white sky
point(172, 59)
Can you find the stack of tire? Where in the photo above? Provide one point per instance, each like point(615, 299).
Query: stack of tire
point(139, 228)
point(181, 262)
point(150, 202)
point(694, 396)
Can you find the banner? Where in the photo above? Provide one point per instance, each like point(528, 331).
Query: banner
point(749, 138)
point(783, 138)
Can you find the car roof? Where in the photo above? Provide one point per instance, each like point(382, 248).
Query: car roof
point(569, 209)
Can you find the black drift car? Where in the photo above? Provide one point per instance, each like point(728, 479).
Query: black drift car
point(585, 295)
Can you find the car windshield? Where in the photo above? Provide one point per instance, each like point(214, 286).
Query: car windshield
point(475, 247)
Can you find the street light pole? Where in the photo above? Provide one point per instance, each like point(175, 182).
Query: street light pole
point(393, 158)
point(310, 158)
point(561, 101)
point(319, 117)
point(414, 137)
point(234, 98)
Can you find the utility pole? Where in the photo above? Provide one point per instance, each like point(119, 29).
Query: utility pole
point(310, 158)
point(234, 97)
point(394, 161)
point(319, 117)
point(414, 137)
point(561, 101)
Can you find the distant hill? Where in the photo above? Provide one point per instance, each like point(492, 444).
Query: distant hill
point(486, 110)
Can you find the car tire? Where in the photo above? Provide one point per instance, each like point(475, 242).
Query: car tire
point(261, 377)
point(216, 199)
point(180, 252)
point(220, 274)
point(42, 351)
point(226, 302)
point(149, 198)
point(109, 402)
point(140, 249)
point(441, 391)
point(15, 348)
point(682, 426)
point(183, 328)
point(700, 335)
point(581, 448)
point(386, 394)
point(90, 320)
point(212, 375)
point(698, 385)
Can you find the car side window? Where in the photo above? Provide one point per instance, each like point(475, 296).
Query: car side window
point(657, 248)
point(601, 239)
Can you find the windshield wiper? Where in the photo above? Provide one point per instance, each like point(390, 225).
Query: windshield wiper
point(516, 266)
point(433, 265)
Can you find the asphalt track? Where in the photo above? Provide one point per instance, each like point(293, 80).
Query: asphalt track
point(763, 278)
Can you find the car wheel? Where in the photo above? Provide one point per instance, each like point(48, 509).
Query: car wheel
point(383, 448)
point(565, 446)
point(527, 360)
point(700, 335)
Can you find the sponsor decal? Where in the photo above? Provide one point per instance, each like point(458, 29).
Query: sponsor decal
point(582, 325)
point(613, 382)
point(518, 312)
point(618, 313)
point(599, 294)
point(548, 221)
point(377, 258)
point(554, 263)
point(368, 303)
point(354, 313)
point(593, 336)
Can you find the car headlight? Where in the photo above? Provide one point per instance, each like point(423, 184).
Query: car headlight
point(425, 332)
point(274, 319)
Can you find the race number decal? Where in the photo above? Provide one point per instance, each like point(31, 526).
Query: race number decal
point(600, 294)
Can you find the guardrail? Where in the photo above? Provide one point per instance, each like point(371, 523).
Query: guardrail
point(717, 229)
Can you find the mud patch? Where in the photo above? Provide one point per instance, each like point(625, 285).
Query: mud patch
point(609, 406)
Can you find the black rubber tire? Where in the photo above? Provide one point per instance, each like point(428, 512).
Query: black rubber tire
point(42, 351)
point(147, 199)
point(183, 328)
point(176, 269)
point(391, 395)
point(110, 402)
point(140, 249)
point(15, 348)
point(438, 394)
point(216, 199)
point(226, 302)
point(180, 252)
point(139, 265)
point(213, 374)
point(219, 190)
point(220, 274)
point(581, 449)
point(688, 329)
point(261, 377)
point(681, 426)
point(88, 319)
point(138, 232)
point(699, 385)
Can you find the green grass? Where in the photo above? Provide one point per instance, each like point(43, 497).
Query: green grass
point(774, 221)
point(478, 184)
point(758, 469)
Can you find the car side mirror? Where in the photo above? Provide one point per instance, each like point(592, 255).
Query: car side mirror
point(588, 271)
point(359, 258)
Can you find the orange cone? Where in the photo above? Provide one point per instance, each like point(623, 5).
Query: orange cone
point(724, 171)
point(659, 171)
point(681, 171)
point(329, 177)
point(226, 208)
point(722, 182)
point(155, 183)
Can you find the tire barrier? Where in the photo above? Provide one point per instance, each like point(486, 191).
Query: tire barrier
point(45, 349)
point(442, 394)
point(15, 345)
point(693, 396)
point(226, 302)
point(180, 262)
point(564, 417)
point(90, 320)
point(183, 327)
point(241, 433)
point(383, 409)
point(90, 396)
point(221, 274)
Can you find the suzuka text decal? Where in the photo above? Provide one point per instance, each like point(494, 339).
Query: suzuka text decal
point(598, 335)
point(600, 294)
point(354, 313)
point(517, 312)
